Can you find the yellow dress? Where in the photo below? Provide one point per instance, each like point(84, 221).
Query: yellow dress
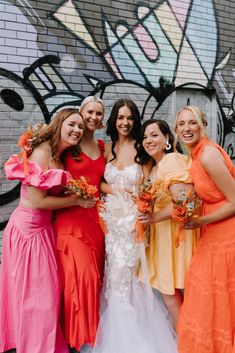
point(168, 264)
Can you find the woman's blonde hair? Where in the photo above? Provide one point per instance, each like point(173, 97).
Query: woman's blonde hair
point(199, 115)
point(54, 128)
point(92, 99)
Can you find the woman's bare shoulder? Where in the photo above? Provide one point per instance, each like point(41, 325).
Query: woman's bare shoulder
point(42, 155)
point(107, 150)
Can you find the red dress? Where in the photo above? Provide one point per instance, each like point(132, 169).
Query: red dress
point(207, 317)
point(80, 245)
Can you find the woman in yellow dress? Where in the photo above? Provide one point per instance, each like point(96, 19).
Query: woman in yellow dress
point(168, 256)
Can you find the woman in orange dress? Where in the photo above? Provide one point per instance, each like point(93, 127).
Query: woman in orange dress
point(80, 241)
point(207, 317)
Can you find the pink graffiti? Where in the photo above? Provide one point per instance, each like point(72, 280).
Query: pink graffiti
point(110, 61)
point(180, 9)
point(146, 42)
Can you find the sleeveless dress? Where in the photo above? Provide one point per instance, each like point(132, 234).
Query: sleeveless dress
point(80, 245)
point(207, 318)
point(167, 262)
point(131, 321)
point(30, 284)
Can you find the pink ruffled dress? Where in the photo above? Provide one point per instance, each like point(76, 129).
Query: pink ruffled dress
point(30, 285)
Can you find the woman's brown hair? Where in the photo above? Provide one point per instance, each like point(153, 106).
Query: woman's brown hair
point(54, 129)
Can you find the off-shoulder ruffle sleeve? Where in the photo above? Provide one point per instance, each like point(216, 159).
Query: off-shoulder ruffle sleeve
point(43, 180)
point(174, 168)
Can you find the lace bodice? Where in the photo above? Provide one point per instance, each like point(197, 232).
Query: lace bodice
point(123, 179)
point(120, 216)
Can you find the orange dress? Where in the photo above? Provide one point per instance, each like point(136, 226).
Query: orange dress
point(80, 244)
point(207, 317)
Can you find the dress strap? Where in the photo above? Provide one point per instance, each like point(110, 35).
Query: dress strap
point(101, 145)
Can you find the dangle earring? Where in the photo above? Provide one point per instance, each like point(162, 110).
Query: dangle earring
point(168, 146)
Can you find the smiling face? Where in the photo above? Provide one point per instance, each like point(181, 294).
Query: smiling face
point(154, 141)
point(125, 121)
point(188, 129)
point(93, 113)
point(72, 130)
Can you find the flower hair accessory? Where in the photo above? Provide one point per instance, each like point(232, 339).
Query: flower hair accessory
point(32, 137)
point(80, 187)
point(186, 207)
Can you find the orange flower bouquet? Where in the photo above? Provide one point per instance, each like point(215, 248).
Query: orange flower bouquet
point(186, 207)
point(147, 196)
point(81, 188)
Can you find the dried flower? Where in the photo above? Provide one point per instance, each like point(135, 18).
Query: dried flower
point(81, 188)
point(186, 206)
point(32, 137)
point(147, 195)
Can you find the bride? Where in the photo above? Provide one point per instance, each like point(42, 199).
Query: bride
point(133, 320)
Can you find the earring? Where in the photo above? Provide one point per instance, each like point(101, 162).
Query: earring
point(168, 146)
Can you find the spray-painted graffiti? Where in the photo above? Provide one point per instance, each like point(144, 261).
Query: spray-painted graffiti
point(161, 55)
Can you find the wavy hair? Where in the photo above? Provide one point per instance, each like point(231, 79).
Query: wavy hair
point(111, 122)
point(142, 156)
point(54, 129)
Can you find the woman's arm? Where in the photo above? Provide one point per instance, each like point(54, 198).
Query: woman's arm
point(214, 164)
point(165, 213)
point(40, 200)
point(160, 216)
point(105, 188)
point(107, 151)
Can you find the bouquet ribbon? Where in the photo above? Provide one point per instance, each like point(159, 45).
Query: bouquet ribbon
point(100, 207)
point(180, 235)
point(139, 234)
point(143, 262)
point(23, 155)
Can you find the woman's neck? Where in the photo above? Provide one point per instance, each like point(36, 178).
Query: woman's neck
point(159, 157)
point(124, 141)
point(191, 147)
point(87, 136)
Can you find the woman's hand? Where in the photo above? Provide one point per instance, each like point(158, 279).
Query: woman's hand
point(146, 218)
point(85, 203)
point(195, 223)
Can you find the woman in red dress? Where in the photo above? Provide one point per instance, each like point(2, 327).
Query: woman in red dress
point(207, 317)
point(80, 241)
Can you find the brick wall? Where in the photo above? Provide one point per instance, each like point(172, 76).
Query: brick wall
point(161, 55)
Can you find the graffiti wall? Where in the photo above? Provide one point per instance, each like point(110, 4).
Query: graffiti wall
point(162, 54)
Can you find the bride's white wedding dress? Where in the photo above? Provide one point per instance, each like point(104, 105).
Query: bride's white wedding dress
point(132, 320)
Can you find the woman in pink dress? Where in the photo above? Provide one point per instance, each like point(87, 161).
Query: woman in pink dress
point(30, 286)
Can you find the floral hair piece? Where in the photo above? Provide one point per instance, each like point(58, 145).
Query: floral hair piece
point(32, 137)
